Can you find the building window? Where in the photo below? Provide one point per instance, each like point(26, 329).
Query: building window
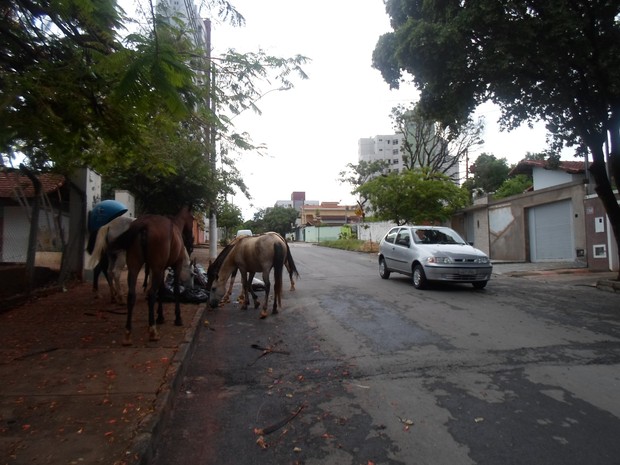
point(394, 141)
point(395, 152)
point(395, 161)
point(599, 251)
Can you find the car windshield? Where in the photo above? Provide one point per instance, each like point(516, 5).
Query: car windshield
point(436, 236)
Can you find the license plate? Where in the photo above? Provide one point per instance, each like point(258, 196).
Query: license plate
point(467, 272)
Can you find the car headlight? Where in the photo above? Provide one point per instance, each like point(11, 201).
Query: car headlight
point(439, 260)
point(482, 260)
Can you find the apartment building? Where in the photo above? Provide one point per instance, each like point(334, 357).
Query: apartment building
point(383, 147)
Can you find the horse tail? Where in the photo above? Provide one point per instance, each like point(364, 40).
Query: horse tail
point(92, 239)
point(292, 269)
point(98, 245)
point(278, 265)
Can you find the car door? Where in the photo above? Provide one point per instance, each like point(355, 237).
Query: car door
point(388, 248)
point(402, 251)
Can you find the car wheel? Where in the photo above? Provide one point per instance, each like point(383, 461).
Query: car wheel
point(383, 269)
point(479, 284)
point(419, 278)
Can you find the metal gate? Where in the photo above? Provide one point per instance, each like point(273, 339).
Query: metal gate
point(551, 232)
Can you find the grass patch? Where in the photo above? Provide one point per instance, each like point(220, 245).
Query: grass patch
point(355, 245)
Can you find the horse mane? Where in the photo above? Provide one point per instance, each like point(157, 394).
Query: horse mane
point(214, 268)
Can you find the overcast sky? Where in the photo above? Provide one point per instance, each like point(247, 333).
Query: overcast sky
point(312, 130)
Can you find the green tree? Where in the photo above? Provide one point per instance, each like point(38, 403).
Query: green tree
point(230, 218)
point(489, 172)
point(279, 219)
point(513, 186)
point(357, 175)
point(55, 98)
point(413, 197)
point(557, 61)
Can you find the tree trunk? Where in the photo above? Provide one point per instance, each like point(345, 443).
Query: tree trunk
point(605, 191)
point(34, 228)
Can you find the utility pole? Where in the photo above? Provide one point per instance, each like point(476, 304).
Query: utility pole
point(211, 136)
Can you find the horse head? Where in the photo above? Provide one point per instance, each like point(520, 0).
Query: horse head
point(218, 273)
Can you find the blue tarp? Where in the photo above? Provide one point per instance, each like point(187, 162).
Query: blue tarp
point(104, 212)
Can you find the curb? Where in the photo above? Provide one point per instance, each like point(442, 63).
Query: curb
point(608, 285)
point(147, 435)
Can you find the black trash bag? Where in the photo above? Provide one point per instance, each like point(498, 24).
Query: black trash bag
point(196, 294)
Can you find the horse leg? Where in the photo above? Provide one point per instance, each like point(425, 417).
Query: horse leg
point(96, 273)
point(131, 301)
point(160, 305)
point(156, 282)
point(244, 285)
point(263, 313)
point(146, 278)
point(278, 262)
point(290, 275)
point(226, 297)
point(115, 279)
point(177, 297)
point(254, 296)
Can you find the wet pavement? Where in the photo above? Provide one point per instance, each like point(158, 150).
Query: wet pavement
point(72, 394)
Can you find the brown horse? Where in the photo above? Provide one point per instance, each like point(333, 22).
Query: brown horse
point(158, 242)
point(289, 263)
point(250, 255)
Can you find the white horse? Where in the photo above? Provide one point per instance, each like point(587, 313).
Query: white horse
point(111, 264)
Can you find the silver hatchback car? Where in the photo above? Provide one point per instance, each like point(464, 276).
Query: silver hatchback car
point(432, 253)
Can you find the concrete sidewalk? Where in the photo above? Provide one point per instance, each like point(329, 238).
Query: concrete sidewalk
point(559, 272)
point(72, 394)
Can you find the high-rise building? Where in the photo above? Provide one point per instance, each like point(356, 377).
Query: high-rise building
point(187, 12)
point(384, 147)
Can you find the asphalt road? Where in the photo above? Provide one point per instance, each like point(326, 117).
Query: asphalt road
point(359, 370)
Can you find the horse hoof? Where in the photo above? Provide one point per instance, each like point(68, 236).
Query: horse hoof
point(178, 322)
point(160, 321)
point(127, 339)
point(153, 335)
point(263, 315)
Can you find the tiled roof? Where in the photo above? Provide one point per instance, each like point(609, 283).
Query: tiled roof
point(12, 181)
point(526, 166)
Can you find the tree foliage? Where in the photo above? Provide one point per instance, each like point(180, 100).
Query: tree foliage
point(489, 172)
point(513, 186)
point(357, 175)
point(413, 196)
point(278, 219)
point(554, 60)
point(230, 218)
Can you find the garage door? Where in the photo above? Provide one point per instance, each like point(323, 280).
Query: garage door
point(551, 232)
